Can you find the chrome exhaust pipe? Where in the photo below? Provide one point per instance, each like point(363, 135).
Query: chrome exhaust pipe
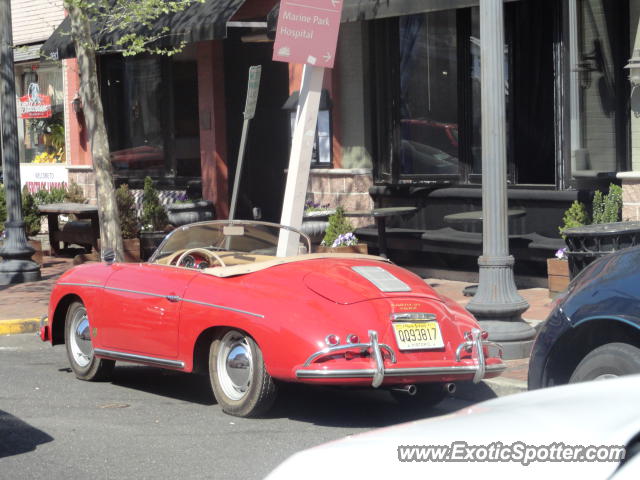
point(408, 389)
point(450, 388)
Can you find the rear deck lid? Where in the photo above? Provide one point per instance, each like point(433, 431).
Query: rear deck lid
point(347, 284)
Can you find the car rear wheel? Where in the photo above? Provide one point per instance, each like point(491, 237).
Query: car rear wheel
point(77, 336)
point(240, 382)
point(608, 361)
point(427, 395)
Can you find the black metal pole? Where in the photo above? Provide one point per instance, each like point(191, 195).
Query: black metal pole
point(16, 265)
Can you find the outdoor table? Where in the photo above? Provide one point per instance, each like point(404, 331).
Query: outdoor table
point(380, 215)
point(80, 210)
point(474, 218)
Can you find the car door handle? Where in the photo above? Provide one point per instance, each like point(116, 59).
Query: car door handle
point(173, 298)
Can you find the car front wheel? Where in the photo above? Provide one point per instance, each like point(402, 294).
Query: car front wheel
point(608, 361)
point(77, 336)
point(240, 382)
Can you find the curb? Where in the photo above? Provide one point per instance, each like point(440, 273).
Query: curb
point(18, 326)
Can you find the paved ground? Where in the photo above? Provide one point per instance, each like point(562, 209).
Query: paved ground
point(22, 305)
point(155, 424)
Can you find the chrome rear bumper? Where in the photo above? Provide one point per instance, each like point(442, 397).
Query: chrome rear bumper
point(474, 346)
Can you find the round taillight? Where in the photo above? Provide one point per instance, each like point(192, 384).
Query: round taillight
point(484, 335)
point(332, 340)
point(352, 338)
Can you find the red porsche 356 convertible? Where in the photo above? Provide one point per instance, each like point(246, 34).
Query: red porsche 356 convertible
point(214, 298)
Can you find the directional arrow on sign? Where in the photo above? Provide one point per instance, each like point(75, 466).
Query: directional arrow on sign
point(327, 57)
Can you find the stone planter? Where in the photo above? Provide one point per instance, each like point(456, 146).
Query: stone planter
point(558, 275)
point(360, 248)
point(315, 223)
point(590, 242)
point(149, 242)
point(184, 213)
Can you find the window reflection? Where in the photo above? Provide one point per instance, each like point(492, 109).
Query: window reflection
point(151, 111)
point(428, 94)
point(600, 145)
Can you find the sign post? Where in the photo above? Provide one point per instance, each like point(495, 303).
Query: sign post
point(307, 33)
point(253, 88)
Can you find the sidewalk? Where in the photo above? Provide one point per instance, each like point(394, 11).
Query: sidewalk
point(22, 305)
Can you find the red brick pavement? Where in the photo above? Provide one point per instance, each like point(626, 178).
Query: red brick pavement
point(30, 300)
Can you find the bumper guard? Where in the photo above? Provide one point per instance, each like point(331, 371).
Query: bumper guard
point(474, 345)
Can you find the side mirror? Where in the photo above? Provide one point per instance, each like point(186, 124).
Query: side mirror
point(108, 255)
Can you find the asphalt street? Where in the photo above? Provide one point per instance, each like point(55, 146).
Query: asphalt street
point(151, 423)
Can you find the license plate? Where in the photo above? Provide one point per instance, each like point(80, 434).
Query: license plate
point(418, 336)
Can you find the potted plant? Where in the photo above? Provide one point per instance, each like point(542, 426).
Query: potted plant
point(186, 210)
point(339, 237)
point(589, 239)
point(129, 225)
point(154, 221)
point(315, 220)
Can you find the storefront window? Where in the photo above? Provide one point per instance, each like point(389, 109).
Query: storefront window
point(40, 107)
point(426, 71)
point(151, 112)
point(428, 94)
point(600, 49)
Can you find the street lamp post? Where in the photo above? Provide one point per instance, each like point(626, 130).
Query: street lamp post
point(16, 265)
point(497, 304)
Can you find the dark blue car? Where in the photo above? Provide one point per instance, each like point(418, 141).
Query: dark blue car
point(593, 331)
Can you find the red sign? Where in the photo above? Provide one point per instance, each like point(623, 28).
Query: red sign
point(34, 105)
point(307, 32)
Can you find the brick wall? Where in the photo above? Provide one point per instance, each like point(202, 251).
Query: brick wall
point(86, 178)
point(347, 188)
point(630, 195)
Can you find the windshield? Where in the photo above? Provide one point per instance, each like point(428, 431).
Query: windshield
point(242, 236)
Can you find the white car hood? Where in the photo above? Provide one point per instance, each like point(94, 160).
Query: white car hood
point(593, 413)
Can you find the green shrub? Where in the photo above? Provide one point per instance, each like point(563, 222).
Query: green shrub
point(575, 216)
point(71, 193)
point(154, 216)
point(30, 213)
point(338, 225)
point(598, 207)
point(74, 194)
point(127, 212)
point(612, 205)
point(605, 208)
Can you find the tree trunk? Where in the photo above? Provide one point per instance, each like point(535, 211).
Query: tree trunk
point(110, 234)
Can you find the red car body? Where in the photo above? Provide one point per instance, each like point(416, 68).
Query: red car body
point(314, 317)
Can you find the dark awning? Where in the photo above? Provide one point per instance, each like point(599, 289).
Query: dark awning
point(196, 23)
point(356, 10)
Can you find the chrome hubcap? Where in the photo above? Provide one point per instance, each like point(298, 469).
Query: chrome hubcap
point(235, 365)
point(81, 347)
point(606, 376)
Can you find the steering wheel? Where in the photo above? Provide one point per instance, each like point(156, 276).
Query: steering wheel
point(205, 253)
